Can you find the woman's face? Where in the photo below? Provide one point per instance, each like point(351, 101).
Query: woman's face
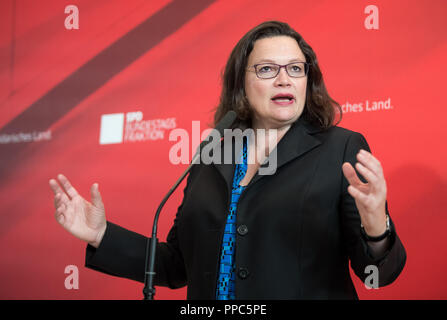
point(264, 95)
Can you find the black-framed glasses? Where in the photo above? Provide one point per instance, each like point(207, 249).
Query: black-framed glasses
point(271, 70)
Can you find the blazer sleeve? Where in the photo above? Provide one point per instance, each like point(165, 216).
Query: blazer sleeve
point(392, 262)
point(122, 253)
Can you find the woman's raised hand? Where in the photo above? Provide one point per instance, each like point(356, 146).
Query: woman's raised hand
point(85, 220)
point(370, 197)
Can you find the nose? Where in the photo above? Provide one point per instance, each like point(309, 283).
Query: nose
point(282, 79)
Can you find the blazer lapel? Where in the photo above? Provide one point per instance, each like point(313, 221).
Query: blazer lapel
point(296, 142)
point(227, 169)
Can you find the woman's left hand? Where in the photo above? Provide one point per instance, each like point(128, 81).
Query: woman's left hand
point(369, 197)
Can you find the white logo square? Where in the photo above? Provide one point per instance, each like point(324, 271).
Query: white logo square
point(112, 127)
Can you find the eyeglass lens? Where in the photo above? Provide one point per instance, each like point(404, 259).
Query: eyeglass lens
point(271, 70)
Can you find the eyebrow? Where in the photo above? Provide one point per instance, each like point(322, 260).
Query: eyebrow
point(272, 61)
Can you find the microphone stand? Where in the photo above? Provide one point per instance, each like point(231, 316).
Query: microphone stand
point(151, 245)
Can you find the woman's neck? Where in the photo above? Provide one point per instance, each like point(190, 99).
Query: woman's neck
point(271, 131)
point(265, 140)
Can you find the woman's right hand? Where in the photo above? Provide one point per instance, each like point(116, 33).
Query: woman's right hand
point(85, 220)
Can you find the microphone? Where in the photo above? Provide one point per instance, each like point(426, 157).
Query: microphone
point(151, 245)
point(224, 123)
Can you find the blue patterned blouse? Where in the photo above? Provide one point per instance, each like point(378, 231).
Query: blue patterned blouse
point(226, 277)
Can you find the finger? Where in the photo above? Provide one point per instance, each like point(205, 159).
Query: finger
point(59, 199)
point(96, 196)
point(62, 208)
point(370, 162)
point(71, 191)
point(367, 174)
point(351, 175)
point(60, 219)
point(60, 214)
point(55, 187)
point(358, 195)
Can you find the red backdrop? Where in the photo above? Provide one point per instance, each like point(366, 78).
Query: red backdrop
point(164, 59)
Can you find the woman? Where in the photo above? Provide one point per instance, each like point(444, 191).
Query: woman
point(242, 235)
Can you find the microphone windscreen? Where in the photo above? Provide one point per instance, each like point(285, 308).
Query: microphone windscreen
point(226, 122)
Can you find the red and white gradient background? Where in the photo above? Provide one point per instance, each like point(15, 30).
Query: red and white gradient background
point(165, 58)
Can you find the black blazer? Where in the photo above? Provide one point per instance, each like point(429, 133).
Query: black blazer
point(300, 228)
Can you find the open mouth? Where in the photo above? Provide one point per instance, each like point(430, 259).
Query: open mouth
point(283, 98)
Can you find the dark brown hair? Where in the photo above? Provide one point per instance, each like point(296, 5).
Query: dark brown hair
point(319, 109)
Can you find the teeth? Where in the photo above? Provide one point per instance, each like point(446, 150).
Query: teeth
point(285, 97)
point(282, 99)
